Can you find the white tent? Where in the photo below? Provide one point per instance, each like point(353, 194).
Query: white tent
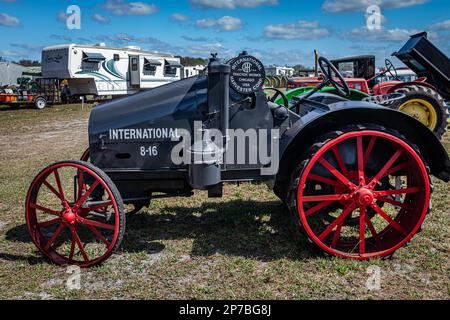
point(10, 72)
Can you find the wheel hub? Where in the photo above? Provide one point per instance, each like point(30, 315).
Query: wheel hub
point(363, 197)
point(69, 216)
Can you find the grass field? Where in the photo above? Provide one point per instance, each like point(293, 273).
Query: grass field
point(239, 247)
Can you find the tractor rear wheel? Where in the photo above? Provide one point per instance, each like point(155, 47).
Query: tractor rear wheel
point(360, 193)
point(424, 104)
point(75, 214)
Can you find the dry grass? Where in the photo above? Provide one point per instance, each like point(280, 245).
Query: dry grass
point(241, 246)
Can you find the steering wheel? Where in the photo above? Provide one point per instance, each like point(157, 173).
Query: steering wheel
point(276, 95)
point(327, 70)
point(391, 69)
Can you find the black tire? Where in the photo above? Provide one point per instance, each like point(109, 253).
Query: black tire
point(40, 103)
point(303, 160)
point(430, 96)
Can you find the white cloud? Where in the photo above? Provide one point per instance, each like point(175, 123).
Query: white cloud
point(179, 17)
point(232, 4)
point(336, 6)
point(204, 50)
point(383, 35)
point(9, 21)
point(302, 30)
point(123, 8)
point(195, 39)
point(225, 23)
point(444, 25)
point(101, 19)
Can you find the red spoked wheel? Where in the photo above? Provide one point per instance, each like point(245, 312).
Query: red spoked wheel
point(75, 214)
point(130, 209)
point(363, 194)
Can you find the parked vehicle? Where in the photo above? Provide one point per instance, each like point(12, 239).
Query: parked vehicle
point(423, 97)
point(39, 93)
point(103, 71)
point(354, 175)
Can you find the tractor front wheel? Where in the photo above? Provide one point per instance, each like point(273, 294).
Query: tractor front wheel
point(74, 214)
point(425, 105)
point(360, 193)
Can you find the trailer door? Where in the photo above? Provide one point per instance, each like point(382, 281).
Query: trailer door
point(134, 71)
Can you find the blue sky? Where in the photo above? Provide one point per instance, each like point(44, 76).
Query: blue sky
point(277, 31)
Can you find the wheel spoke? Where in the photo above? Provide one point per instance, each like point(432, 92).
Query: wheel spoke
point(347, 210)
point(44, 209)
point(95, 223)
point(373, 231)
point(362, 230)
point(396, 168)
point(72, 247)
point(87, 194)
point(60, 188)
point(98, 206)
point(48, 223)
point(80, 245)
point(386, 217)
point(360, 155)
point(394, 202)
point(385, 193)
point(386, 167)
point(53, 238)
point(330, 197)
point(316, 177)
point(99, 235)
point(369, 149)
point(337, 233)
point(318, 207)
point(336, 173)
point(50, 187)
point(339, 160)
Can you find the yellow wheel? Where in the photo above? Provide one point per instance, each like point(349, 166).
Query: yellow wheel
point(421, 110)
point(424, 104)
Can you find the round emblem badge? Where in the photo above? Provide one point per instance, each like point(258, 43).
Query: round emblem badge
point(247, 74)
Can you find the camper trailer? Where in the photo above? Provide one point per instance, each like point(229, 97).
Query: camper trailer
point(192, 71)
point(102, 71)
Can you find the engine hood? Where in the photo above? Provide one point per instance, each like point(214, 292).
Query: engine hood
point(165, 103)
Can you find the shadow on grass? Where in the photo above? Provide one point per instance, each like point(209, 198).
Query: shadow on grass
point(257, 230)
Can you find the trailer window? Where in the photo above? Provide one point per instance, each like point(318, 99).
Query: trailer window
point(116, 57)
point(150, 66)
point(134, 64)
point(170, 71)
point(170, 68)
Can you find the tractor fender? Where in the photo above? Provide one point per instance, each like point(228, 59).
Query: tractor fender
point(303, 134)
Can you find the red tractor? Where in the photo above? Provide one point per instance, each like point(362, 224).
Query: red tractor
point(423, 97)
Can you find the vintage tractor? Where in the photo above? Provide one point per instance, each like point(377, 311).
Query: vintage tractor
point(423, 97)
point(355, 176)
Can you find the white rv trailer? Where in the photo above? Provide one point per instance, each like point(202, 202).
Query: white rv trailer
point(103, 71)
point(192, 71)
